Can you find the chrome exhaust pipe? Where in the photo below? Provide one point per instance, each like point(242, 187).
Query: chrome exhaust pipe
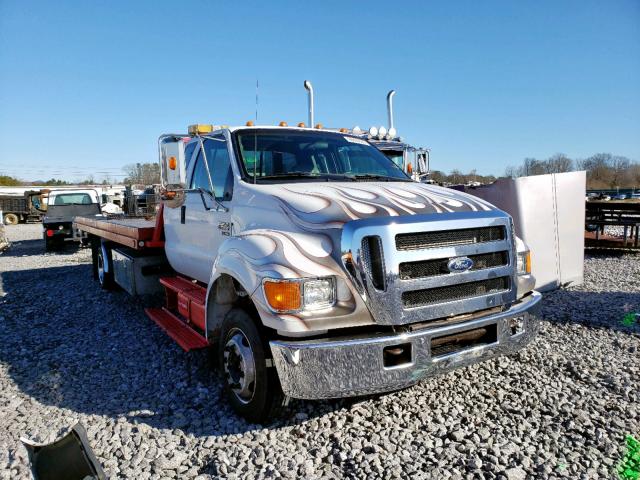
point(390, 108)
point(309, 87)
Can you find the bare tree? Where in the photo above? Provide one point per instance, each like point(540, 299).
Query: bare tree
point(142, 173)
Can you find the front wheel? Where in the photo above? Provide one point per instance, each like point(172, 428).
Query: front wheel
point(11, 219)
point(252, 389)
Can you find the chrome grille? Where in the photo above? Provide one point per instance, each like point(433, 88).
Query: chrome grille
point(430, 268)
point(466, 236)
point(419, 298)
point(399, 264)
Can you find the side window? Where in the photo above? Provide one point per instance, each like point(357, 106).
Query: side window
point(219, 167)
point(188, 152)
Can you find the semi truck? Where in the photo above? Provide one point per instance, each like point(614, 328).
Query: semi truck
point(413, 160)
point(315, 267)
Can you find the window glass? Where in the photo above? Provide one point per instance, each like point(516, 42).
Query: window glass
point(188, 152)
point(73, 199)
point(219, 166)
point(270, 155)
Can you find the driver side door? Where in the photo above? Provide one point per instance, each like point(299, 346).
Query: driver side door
point(204, 223)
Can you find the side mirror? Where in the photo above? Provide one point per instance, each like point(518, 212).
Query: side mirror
point(172, 163)
point(422, 161)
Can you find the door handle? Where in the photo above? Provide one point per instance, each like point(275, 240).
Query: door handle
point(183, 213)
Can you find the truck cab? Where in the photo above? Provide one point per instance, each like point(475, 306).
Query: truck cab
point(327, 271)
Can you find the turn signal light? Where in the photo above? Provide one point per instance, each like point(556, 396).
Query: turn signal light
point(283, 296)
point(173, 163)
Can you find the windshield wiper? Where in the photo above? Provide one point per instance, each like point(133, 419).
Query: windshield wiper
point(320, 176)
point(372, 176)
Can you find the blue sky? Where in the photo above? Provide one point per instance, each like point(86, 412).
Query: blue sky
point(87, 87)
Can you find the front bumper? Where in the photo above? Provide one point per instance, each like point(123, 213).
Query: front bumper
point(333, 368)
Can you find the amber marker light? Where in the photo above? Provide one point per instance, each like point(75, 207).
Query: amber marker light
point(173, 163)
point(301, 125)
point(282, 124)
point(249, 123)
point(343, 130)
point(318, 125)
point(283, 296)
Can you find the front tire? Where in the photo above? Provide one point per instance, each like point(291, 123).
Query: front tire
point(252, 389)
point(11, 219)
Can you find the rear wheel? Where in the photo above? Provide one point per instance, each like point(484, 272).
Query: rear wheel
point(105, 267)
point(252, 389)
point(11, 219)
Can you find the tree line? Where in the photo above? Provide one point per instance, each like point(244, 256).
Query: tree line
point(604, 170)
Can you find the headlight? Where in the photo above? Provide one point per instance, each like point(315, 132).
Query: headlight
point(524, 263)
point(287, 296)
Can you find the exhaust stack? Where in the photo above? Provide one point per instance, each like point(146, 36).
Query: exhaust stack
point(390, 108)
point(309, 88)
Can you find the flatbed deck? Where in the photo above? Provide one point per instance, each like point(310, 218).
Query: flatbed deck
point(133, 232)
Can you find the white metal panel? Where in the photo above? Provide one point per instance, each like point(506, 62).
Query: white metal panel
point(548, 214)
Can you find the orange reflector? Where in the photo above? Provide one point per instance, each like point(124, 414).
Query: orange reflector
point(282, 296)
point(173, 163)
point(282, 124)
point(301, 125)
point(249, 123)
point(318, 125)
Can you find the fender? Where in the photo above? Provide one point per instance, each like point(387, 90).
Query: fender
point(257, 254)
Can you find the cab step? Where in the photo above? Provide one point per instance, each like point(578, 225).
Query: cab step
point(187, 299)
point(183, 334)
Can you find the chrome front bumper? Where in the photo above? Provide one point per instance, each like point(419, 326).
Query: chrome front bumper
point(333, 368)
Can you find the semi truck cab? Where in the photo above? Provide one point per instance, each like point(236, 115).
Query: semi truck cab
point(327, 271)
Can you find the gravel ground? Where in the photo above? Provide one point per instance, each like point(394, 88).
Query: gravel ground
point(69, 353)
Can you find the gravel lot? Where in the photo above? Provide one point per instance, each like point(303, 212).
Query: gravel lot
point(69, 353)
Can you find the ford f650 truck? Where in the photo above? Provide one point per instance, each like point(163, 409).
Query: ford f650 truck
point(316, 267)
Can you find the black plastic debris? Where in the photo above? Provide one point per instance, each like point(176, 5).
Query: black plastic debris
point(68, 458)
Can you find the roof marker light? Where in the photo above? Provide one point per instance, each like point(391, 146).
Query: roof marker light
point(282, 124)
point(344, 130)
point(199, 129)
point(301, 125)
point(318, 125)
point(249, 123)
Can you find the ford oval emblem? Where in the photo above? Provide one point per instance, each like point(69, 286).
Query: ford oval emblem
point(460, 264)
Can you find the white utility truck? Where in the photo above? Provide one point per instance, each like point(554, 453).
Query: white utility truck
point(316, 267)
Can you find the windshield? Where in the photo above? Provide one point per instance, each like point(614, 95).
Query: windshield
point(395, 157)
point(73, 199)
point(275, 155)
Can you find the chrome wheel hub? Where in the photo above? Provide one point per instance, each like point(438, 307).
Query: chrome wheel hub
point(239, 366)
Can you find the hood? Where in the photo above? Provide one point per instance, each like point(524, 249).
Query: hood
point(322, 205)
